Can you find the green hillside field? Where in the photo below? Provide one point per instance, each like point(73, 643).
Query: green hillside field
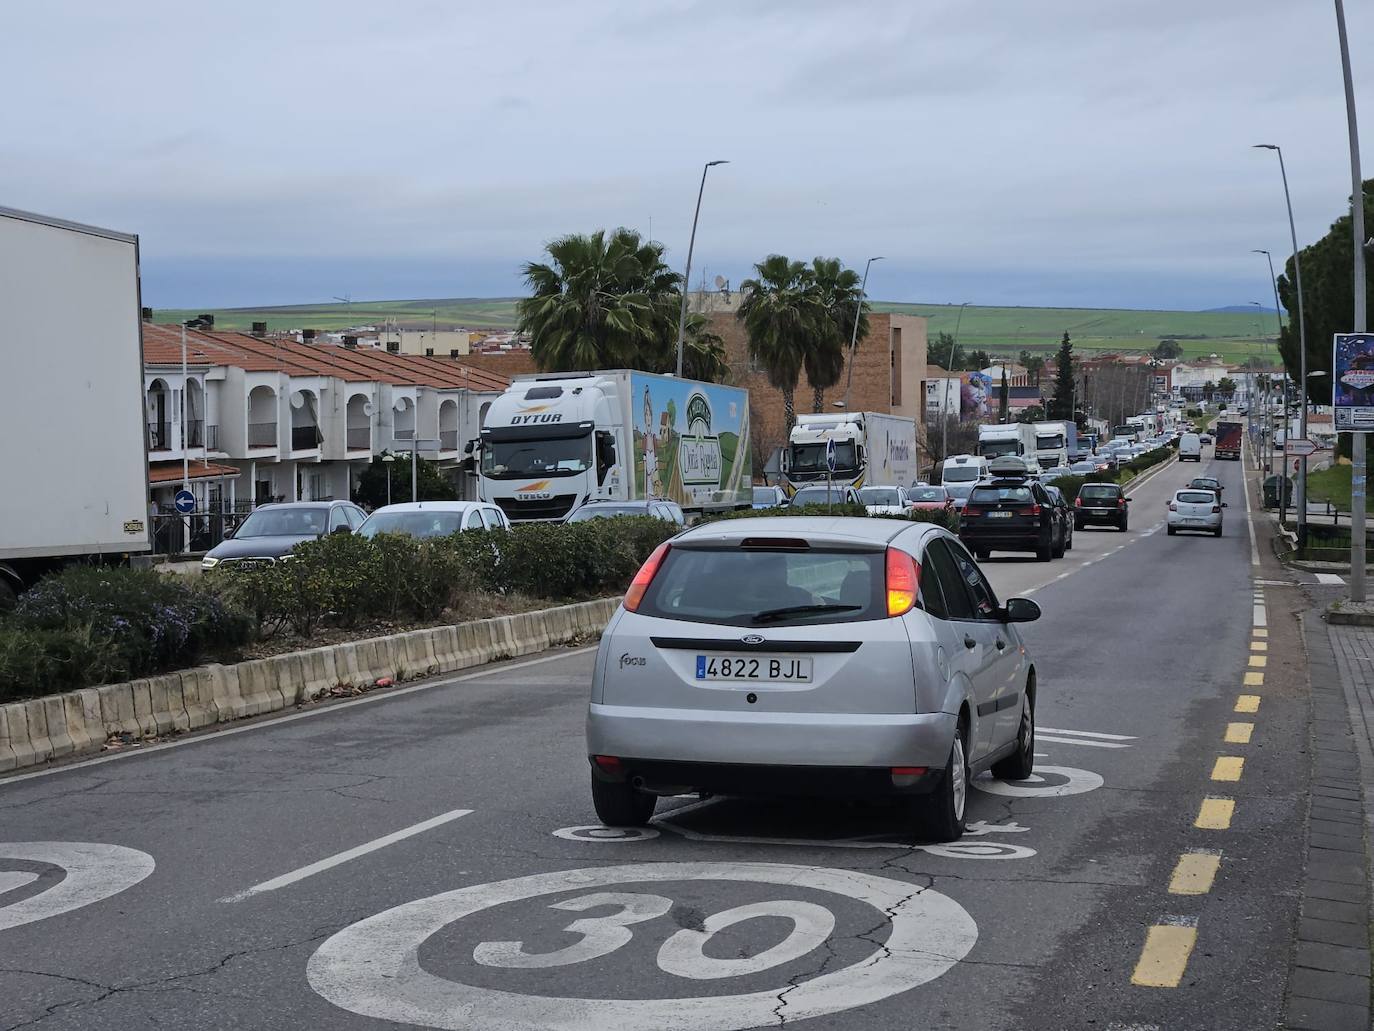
point(1233, 336)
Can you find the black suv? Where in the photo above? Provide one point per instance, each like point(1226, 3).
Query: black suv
point(1011, 514)
point(1104, 504)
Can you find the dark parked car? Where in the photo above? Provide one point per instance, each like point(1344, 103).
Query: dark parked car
point(655, 508)
point(1065, 514)
point(273, 530)
point(1011, 515)
point(1101, 504)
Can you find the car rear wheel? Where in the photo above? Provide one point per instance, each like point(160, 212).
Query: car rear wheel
point(940, 815)
point(620, 804)
point(1172, 532)
point(1078, 524)
point(1021, 763)
point(1122, 525)
point(1045, 552)
point(1216, 532)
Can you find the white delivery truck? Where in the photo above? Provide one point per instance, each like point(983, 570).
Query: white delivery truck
point(871, 449)
point(1011, 438)
point(1054, 443)
point(71, 358)
point(554, 441)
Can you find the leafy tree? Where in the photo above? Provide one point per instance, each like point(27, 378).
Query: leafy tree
point(979, 360)
point(940, 350)
point(600, 302)
point(1226, 385)
point(1208, 389)
point(1328, 298)
point(839, 295)
point(1034, 413)
point(1062, 404)
point(1035, 365)
point(431, 484)
point(1003, 395)
point(780, 313)
point(703, 352)
point(1168, 348)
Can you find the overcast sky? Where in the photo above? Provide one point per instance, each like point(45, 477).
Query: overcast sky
point(1054, 152)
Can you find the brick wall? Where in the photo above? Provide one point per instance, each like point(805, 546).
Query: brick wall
point(889, 376)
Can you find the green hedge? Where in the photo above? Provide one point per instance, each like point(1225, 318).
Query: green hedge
point(96, 624)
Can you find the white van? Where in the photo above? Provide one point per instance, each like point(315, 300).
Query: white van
point(961, 473)
point(1190, 448)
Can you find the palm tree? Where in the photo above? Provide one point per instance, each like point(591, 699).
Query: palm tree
point(601, 302)
point(839, 293)
point(780, 313)
point(703, 355)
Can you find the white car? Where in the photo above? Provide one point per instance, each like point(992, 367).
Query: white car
point(1195, 509)
point(433, 518)
point(884, 500)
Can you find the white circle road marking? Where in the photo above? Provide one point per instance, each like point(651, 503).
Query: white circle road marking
point(597, 833)
point(684, 953)
point(94, 872)
point(1076, 783)
point(372, 968)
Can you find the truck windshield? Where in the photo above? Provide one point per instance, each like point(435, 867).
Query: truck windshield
point(810, 458)
point(514, 459)
point(1049, 441)
point(996, 448)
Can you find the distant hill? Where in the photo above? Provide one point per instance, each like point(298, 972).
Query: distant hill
point(1237, 309)
point(1234, 332)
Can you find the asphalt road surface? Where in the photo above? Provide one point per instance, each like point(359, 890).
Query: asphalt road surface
point(431, 858)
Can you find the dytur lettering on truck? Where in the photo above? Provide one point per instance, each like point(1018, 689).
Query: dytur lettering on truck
point(526, 420)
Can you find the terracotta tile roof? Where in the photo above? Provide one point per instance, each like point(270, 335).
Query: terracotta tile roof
point(162, 345)
point(170, 472)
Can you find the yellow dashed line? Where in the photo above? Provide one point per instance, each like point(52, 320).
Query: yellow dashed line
point(1239, 733)
point(1164, 959)
point(1254, 679)
point(1194, 873)
point(1259, 660)
point(1260, 632)
point(1215, 814)
point(1247, 703)
point(1259, 646)
point(1228, 767)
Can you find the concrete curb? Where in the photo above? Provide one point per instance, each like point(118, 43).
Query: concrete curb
point(35, 731)
point(1339, 617)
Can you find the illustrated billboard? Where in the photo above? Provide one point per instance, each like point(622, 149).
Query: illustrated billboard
point(691, 441)
point(1352, 387)
point(973, 396)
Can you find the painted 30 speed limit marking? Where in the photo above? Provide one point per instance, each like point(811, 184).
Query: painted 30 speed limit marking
point(372, 968)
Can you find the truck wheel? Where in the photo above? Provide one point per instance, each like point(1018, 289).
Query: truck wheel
point(620, 804)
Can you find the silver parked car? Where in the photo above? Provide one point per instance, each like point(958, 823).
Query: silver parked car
point(859, 658)
point(1196, 509)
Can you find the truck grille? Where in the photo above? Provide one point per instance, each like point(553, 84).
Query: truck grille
point(548, 508)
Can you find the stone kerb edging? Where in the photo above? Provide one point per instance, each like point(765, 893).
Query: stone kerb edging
point(35, 731)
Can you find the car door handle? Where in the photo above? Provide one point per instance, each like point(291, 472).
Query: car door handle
point(1001, 644)
point(969, 642)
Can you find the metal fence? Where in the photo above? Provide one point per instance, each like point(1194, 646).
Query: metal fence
point(359, 438)
point(262, 434)
point(206, 529)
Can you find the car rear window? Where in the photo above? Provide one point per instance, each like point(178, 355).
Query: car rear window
point(818, 496)
point(1092, 490)
point(756, 587)
point(993, 495)
point(1197, 497)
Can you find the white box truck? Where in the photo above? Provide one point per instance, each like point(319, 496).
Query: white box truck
point(1010, 438)
point(1055, 443)
point(71, 358)
point(871, 449)
point(554, 441)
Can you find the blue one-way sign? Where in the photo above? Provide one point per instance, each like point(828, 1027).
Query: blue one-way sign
point(185, 502)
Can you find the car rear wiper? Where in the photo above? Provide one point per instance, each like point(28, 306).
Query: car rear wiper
point(772, 615)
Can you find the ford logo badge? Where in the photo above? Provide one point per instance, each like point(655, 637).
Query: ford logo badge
point(752, 639)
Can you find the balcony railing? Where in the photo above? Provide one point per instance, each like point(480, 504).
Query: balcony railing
point(212, 437)
point(303, 438)
point(193, 433)
point(159, 436)
point(262, 434)
point(448, 440)
point(359, 438)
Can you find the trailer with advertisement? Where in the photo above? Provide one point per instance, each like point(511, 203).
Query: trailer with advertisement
point(871, 449)
point(1228, 436)
point(554, 441)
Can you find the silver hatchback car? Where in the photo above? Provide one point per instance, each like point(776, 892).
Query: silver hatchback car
point(809, 657)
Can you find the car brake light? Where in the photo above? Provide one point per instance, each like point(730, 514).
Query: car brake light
point(1077, 502)
point(1216, 509)
point(1120, 502)
point(902, 576)
point(1173, 506)
point(970, 511)
point(644, 577)
point(608, 763)
point(1034, 510)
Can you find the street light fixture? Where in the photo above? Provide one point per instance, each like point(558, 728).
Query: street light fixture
point(1302, 346)
point(687, 275)
point(854, 336)
point(388, 459)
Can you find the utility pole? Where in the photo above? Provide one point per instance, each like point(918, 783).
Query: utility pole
point(854, 339)
point(1357, 448)
point(687, 274)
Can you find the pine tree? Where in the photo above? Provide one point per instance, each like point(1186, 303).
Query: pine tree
point(1061, 405)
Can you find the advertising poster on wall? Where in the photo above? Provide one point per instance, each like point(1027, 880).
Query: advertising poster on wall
point(1352, 387)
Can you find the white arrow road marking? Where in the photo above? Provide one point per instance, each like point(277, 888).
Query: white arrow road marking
point(94, 872)
point(343, 857)
point(373, 967)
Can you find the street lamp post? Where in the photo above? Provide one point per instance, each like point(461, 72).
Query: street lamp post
point(388, 460)
point(1278, 318)
point(944, 406)
point(854, 335)
point(1357, 443)
point(1302, 345)
point(687, 275)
